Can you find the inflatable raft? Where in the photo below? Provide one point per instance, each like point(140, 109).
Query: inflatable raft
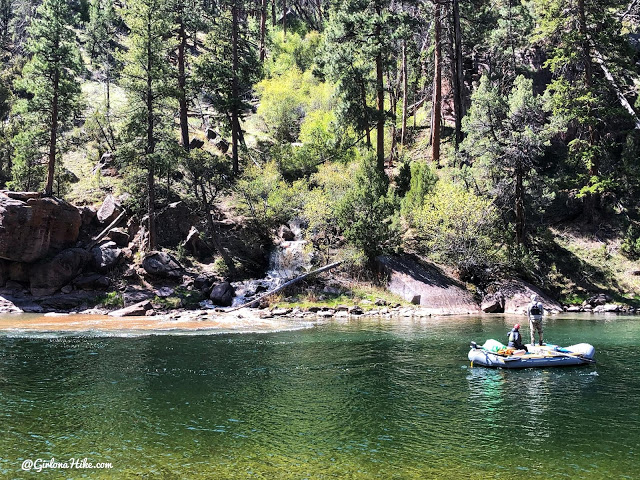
point(495, 354)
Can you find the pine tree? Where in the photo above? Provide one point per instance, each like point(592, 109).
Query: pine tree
point(579, 33)
point(228, 70)
point(360, 40)
point(147, 80)
point(50, 78)
point(506, 137)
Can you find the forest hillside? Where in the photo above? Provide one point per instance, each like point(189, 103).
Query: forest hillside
point(495, 138)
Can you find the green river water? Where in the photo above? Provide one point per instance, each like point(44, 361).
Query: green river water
point(363, 399)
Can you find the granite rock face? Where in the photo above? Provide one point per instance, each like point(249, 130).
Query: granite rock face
point(427, 285)
point(32, 227)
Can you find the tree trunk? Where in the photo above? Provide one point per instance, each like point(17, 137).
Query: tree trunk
point(458, 74)
point(320, 18)
point(234, 91)
point(363, 94)
point(284, 19)
point(380, 112)
point(214, 232)
point(263, 29)
point(520, 218)
point(405, 89)
point(594, 167)
point(379, 98)
point(586, 56)
point(150, 149)
point(437, 87)
point(273, 13)
point(393, 104)
point(53, 133)
point(182, 79)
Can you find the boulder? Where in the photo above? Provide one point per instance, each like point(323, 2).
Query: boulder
point(87, 214)
point(7, 306)
point(493, 303)
point(33, 228)
point(109, 210)
point(285, 233)
point(195, 143)
point(48, 276)
point(607, 308)
point(599, 299)
point(91, 281)
point(222, 294)
point(222, 145)
point(106, 255)
point(517, 296)
point(4, 272)
point(194, 244)
point(136, 310)
point(19, 272)
point(106, 166)
point(134, 294)
point(439, 293)
point(161, 264)
point(202, 282)
point(119, 236)
point(174, 223)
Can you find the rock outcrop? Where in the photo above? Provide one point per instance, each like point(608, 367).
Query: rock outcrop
point(427, 285)
point(162, 265)
point(32, 227)
point(517, 296)
point(48, 276)
point(174, 224)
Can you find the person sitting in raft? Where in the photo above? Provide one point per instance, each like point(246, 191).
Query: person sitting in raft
point(535, 312)
point(515, 339)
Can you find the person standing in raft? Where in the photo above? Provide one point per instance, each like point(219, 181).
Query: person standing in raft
point(515, 339)
point(535, 312)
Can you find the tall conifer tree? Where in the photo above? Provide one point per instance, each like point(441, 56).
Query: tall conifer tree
point(50, 77)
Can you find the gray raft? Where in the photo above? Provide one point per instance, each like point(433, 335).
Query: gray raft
point(538, 356)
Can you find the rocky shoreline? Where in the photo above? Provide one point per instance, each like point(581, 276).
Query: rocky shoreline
point(57, 258)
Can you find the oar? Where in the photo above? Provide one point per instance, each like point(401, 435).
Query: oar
point(572, 355)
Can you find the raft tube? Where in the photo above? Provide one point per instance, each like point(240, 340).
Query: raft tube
point(537, 356)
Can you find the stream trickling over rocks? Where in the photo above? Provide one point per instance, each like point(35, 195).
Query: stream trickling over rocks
point(289, 258)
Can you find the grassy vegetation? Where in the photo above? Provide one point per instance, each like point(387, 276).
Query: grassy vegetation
point(581, 264)
point(111, 300)
point(361, 294)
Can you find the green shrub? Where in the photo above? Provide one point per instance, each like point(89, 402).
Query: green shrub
point(267, 199)
point(630, 247)
point(111, 300)
point(457, 227)
point(365, 212)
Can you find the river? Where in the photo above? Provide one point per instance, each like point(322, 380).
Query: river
point(357, 399)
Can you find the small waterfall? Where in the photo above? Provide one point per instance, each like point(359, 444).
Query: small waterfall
point(288, 259)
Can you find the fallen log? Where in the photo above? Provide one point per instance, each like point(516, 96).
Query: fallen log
point(621, 98)
point(285, 285)
point(104, 232)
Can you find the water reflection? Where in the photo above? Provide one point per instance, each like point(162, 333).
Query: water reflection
point(361, 400)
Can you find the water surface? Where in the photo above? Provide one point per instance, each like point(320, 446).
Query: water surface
point(366, 399)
